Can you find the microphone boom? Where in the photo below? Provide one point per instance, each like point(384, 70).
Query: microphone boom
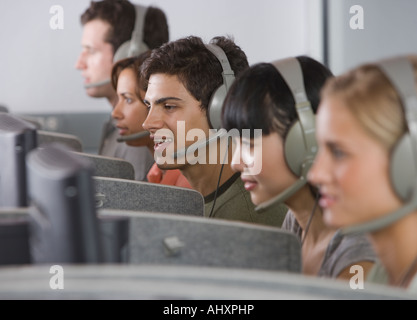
point(97, 84)
point(134, 136)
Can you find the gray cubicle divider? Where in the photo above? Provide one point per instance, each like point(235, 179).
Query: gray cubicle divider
point(69, 140)
point(110, 167)
point(173, 281)
point(87, 126)
point(156, 238)
point(112, 193)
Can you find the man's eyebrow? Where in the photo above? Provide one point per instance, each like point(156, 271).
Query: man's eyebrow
point(162, 100)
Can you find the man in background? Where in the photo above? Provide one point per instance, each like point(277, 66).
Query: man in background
point(113, 30)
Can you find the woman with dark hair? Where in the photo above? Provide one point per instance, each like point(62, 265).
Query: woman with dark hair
point(130, 111)
point(261, 99)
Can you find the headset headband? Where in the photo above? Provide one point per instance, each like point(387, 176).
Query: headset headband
point(227, 74)
point(292, 73)
point(400, 73)
point(135, 46)
point(217, 98)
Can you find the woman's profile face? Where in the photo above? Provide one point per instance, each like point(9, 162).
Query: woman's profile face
point(262, 165)
point(351, 168)
point(130, 111)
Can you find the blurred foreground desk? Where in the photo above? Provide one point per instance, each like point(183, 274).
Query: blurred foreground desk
point(153, 282)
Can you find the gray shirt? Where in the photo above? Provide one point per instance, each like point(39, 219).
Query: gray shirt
point(341, 252)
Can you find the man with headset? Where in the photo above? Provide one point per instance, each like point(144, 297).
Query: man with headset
point(186, 82)
point(113, 30)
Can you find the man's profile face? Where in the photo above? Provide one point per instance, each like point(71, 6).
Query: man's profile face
point(170, 103)
point(96, 58)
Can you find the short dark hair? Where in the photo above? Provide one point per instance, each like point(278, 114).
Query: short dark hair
point(156, 30)
point(121, 14)
point(261, 99)
point(195, 66)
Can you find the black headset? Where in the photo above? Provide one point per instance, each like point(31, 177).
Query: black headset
point(403, 162)
point(300, 145)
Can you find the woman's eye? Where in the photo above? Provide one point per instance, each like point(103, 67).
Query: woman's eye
point(129, 100)
point(338, 153)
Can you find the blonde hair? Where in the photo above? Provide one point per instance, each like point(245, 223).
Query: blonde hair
point(372, 100)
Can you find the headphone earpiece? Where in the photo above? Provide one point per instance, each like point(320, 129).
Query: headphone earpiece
point(135, 46)
point(300, 146)
point(403, 168)
point(295, 150)
point(217, 99)
point(403, 171)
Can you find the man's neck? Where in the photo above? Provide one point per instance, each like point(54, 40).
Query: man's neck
point(205, 177)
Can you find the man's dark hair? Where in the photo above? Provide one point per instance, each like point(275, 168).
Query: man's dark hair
point(120, 14)
point(196, 67)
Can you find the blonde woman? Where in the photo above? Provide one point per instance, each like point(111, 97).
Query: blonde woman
point(365, 167)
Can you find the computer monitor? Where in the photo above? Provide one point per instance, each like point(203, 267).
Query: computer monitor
point(17, 138)
point(63, 223)
point(114, 238)
point(14, 237)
